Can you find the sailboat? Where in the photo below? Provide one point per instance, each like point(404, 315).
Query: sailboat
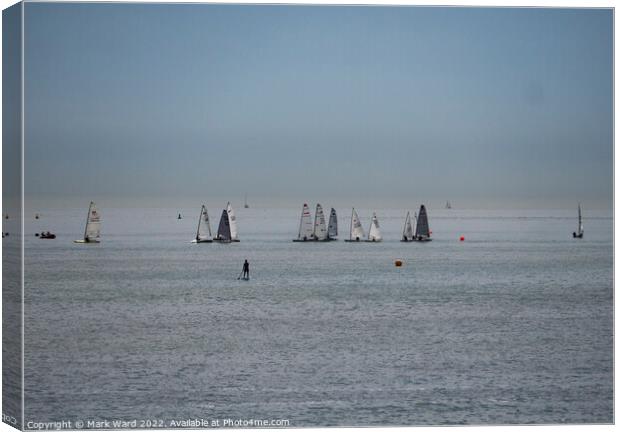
point(332, 228)
point(93, 226)
point(245, 204)
point(306, 229)
point(203, 233)
point(422, 232)
point(356, 232)
point(374, 235)
point(227, 230)
point(448, 205)
point(579, 233)
point(320, 227)
point(407, 229)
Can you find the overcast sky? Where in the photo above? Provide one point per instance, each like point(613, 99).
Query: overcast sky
point(289, 102)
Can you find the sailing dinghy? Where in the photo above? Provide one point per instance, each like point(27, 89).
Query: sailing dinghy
point(407, 230)
point(356, 232)
point(306, 230)
point(332, 228)
point(374, 235)
point(422, 232)
point(579, 233)
point(320, 227)
point(93, 226)
point(227, 230)
point(203, 233)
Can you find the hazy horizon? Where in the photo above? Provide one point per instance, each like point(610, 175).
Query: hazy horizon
point(484, 107)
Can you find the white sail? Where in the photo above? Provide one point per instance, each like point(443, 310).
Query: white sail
point(93, 224)
point(320, 227)
point(374, 234)
point(357, 232)
point(233, 223)
point(305, 224)
point(580, 232)
point(204, 228)
point(408, 229)
point(332, 229)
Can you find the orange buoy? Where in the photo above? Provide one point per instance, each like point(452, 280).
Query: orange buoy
point(398, 263)
point(462, 238)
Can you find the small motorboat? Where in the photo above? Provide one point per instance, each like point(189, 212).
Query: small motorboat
point(46, 235)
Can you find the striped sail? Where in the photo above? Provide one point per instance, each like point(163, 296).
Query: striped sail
point(374, 234)
point(305, 224)
point(93, 224)
point(320, 228)
point(357, 232)
point(332, 229)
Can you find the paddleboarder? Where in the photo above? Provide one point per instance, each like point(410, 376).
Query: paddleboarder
point(246, 270)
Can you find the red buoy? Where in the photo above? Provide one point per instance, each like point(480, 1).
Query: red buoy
point(462, 238)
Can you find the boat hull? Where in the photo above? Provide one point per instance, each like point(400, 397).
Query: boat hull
point(201, 241)
point(82, 241)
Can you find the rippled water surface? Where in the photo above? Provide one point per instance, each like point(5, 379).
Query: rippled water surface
point(513, 325)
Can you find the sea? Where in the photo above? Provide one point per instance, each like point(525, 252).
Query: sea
point(513, 325)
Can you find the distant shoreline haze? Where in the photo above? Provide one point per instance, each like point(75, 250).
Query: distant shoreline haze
point(216, 204)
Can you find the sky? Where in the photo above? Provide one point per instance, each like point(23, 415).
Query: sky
point(480, 106)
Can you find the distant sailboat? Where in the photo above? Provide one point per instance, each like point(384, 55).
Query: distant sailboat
point(374, 234)
point(306, 229)
point(356, 232)
point(227, 230)
point(320, 227)
point(203, 233)
point(579, 233)
point(408, 229)
point(422, 231)
point(332, 228)
point(245, 204)
point(93, 226)
point(448, 205)
point(179, 216)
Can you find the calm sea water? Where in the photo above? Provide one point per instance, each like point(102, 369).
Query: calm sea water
point(513, 325)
